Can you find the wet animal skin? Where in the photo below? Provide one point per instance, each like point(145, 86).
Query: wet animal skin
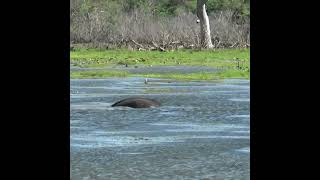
point(137, 103)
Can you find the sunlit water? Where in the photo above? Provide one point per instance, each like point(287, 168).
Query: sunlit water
point(201, 131)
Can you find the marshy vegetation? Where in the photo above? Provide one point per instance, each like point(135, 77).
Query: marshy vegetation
point(233, 63)
point(212, 58)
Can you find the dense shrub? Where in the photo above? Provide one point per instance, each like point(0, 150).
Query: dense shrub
point(149, 22)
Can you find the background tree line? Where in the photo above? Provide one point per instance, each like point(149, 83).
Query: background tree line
point(157, 23)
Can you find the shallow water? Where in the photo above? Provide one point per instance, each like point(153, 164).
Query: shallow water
point(154, 69)
point(201, 131)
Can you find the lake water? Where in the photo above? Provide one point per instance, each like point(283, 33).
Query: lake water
point(201, 131)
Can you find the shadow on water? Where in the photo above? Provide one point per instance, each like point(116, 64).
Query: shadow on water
point(202, 130)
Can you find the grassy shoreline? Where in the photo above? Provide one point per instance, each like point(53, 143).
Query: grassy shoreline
point(235, 61)
point(176, 76)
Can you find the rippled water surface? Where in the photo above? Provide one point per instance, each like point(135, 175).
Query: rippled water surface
point(201, 131)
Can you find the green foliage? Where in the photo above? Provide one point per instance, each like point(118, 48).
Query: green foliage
point(240, 7)
point(129, 5)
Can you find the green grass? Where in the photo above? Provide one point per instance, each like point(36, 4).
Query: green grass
point(211, 58)
point(232, 73)
point(236, 62)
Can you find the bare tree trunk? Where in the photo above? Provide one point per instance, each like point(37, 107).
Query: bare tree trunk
point(205, 36)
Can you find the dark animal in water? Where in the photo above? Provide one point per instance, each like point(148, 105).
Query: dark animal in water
point(137, 103)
